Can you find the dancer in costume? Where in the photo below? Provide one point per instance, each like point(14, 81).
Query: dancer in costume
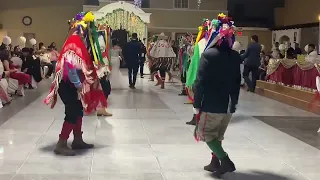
point(103, 69)
point(77, 83)
point(200, 45)
point(162, 58)
point(216, 92)
point(185, 54)
point(152, 69)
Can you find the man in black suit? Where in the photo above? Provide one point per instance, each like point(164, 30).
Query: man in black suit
point(251, 63)
point(132, 55)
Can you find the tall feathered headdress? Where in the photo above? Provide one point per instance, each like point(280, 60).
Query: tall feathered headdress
point(222, 29)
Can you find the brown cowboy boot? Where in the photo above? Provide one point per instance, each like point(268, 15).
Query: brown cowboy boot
point(63, 149)
point(78, 142)
point(103, 112)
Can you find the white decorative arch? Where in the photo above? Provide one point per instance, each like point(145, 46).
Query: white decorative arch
point(131, 8)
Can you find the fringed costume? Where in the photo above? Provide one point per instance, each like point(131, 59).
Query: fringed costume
point(77, 83)
point(103, 69)
point(162, 56)
point(200, 45)
point(185, 54)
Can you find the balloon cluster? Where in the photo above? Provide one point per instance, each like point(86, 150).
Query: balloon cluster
point(80, 21)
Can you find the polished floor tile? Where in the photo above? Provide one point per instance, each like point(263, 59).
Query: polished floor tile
point(50, 177)
point(147, 139)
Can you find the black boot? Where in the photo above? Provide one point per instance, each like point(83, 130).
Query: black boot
point(214, 164)
point(193, 121)
point(183, 93)
point(226, 166)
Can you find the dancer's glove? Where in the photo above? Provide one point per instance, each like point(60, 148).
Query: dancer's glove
point(196, 111)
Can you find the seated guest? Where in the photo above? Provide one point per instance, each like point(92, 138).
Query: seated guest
point(15, 58)
point(297, 49)
point(4, 97)
point(312, 54)
point(37, 66)
point(45, 61)
point(263, 67)
point(17, 51)
point(290, 48)
point(291, 54)
point(276, 54)
point(23, 78)
point(30, 65)
point(54, 55)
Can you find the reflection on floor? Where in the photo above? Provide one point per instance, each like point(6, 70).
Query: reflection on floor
point(147, 139)
point(20, 103)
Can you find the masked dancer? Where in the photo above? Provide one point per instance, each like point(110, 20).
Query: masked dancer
point(216, 92)
point(76, 82)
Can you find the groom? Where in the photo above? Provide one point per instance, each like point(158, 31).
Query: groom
point(132, 56)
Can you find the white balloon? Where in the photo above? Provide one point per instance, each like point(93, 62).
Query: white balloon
point(33, 41)
point(282, 47)
point(306, 48)
point(236, 46)
point(6, 40)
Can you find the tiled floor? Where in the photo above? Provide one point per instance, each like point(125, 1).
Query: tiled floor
point(147, 139)
point(303, 128)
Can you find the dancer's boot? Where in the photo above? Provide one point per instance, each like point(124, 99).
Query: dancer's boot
point(193, 121)
point(103, 112)
point(162, 84)
point(63, 149)
point(183, 92)
point(78, 142)
point(159, 80)
point(214, 164)
point(226, 166)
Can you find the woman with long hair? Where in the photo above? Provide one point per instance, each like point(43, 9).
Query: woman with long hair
point(23, 79)
point(4, 97)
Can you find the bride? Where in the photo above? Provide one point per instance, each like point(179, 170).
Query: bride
point(116, 79)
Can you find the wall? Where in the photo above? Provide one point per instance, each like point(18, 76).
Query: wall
point(2, 34)
point(309, 36)
point(192, 19)
point(265, 37)
point(205, 4)
point(49, 21)
point(279, 14)
point(299, 12)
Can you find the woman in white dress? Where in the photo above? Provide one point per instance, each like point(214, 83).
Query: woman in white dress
point(116, 79)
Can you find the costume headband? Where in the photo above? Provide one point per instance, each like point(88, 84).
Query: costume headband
point(222, 29)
